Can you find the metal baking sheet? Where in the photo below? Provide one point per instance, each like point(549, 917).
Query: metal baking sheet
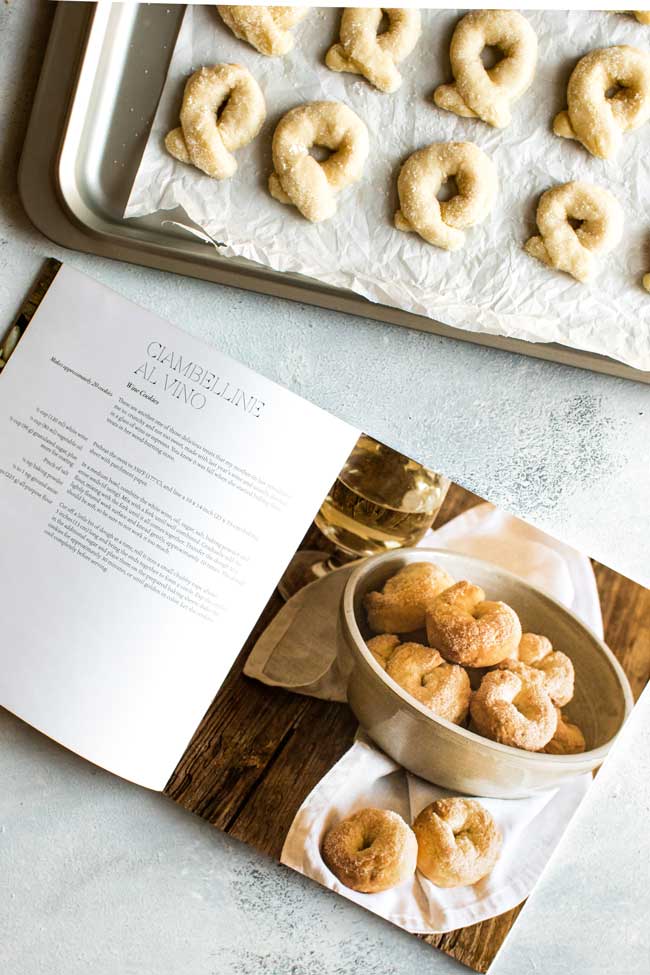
point(101, 80)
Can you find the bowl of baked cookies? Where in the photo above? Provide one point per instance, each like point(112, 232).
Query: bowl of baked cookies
point(472, 678)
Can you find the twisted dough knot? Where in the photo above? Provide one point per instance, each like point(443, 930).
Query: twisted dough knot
point(402, 605)
point(267, 29)
point(467, 629)
point(443, 688)
point(370, 851)
point(643, 16)
point(487, 93)
point(567, 740)
point(362, 51)
point(594, 118)
point(458, 842)
point(382, 646)
point(311, 186)
point(570, 249)
point(420, 179)
point(556, 668)
point(206, 141)
point(514, 709)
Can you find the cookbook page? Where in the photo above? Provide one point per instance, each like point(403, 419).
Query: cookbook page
point(152, 491)
point(420, 709)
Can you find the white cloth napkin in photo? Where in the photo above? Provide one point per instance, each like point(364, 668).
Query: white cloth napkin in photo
point(298, 652)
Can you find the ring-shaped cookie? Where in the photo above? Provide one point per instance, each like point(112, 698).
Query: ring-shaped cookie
point(371, 850)
point(402, 604)
point(567, 740)
point(514, 709)
point(443, 688)
point(301, 180)
point(443, 223)
point(207, 141)
point(487, 93)
point(608, 95)
point(361, 50)
point(556, 668)
point(267, 29)
point(458, 842)
point(564, 247)
point(469, 630)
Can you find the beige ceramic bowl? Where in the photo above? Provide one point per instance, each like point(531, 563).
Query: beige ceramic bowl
point(453, 757)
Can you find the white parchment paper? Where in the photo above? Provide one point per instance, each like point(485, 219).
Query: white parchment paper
point(491, 285)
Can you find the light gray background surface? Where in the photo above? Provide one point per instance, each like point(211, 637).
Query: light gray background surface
point(97, 875)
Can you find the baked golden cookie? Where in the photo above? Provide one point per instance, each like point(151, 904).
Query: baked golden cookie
point(567, 740)
point(207, 141)
point(643, 16)
point(443, 688)
point(382, 646)
point(402, 604)
point(371, 851)
point(514, 708)
point(375, 56)
point(564, 247)
point(443, 223)
point(559, 677)
point(487, 93)
point(458, 842)
point(299, 179)
point(267, 29)
point(467, 629)
point(608, 94)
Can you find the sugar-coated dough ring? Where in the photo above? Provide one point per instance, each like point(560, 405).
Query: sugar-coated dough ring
point(556, 668)
point(443, 688)
point(595, 120)
point(514, 709)
point(402, 604)
point(565, 248)
point(567, 740)
point(467, 629)
point(487, 93)
point(458, 842)
point(301, 180)
point(206, 141)
point(382, 646)
point(267, 29)
point(362, 51)
point(422, 175)
point(371, 851)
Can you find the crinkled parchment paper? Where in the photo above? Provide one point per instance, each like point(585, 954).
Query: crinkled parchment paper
point(491, 285)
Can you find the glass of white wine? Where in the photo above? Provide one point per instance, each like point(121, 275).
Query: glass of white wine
point(380, 501)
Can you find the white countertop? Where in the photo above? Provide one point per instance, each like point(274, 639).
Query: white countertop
point(98, 875)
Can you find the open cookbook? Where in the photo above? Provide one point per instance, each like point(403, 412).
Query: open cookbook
point(215, 589)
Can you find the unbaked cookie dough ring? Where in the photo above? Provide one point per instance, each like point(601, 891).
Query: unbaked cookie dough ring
point(267, 29)
point(301, 180)
point(382, 646)
point(469, 630)
point(443, 688)
point(596, 120)
point(208, 142)
point(573, 249)
point(514, 709)
point(362, 51)
point(487, 93)
point(443, 223)
point(371, 851)
point(402, 604)
point(458, 842)
point(567, 740)
point(556, 668)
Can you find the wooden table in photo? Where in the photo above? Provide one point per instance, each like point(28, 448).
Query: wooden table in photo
point(260, 750)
